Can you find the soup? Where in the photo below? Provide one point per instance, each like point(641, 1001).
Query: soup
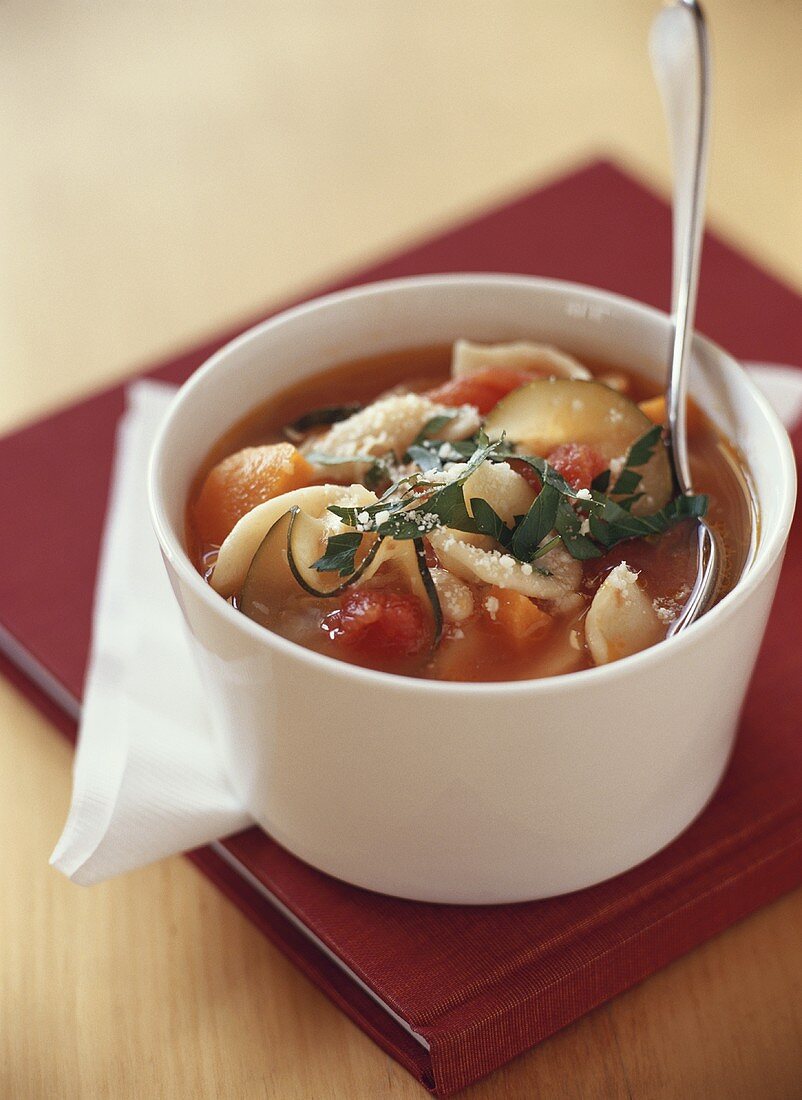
point(475, 513)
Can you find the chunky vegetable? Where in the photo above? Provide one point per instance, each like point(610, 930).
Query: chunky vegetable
point(238, 549)
point(242, 481)
point(542, 416)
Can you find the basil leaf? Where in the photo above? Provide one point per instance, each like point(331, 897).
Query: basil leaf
point(489, 522)
point(642, 449)
point(614, 524)
point(601, 482)
point(432, 427)
point(340, 554)
point(568, 526)
point(425, 457)
point(328, 414)
point(638, 455)
point(448, 507)
point(627, 482)
point(536, 524)
point(320, 458)
point(548, 545)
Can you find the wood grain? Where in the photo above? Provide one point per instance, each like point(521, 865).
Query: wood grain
point(169, 167)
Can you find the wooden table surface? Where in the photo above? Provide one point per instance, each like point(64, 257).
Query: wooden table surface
point(170, 167)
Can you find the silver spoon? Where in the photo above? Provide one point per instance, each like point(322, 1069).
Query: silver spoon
point(681, 65)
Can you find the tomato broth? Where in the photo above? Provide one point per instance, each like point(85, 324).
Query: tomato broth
point(480, 627)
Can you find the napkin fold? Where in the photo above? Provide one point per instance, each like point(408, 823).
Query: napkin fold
point(148, 781)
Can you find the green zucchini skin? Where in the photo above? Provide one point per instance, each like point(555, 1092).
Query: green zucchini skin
point(296, 567)
point(430, 590)
point(280, 536)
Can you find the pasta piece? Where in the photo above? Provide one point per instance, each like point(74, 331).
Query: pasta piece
point(541, 359)
point(475, 558)
point(496, 482)
point(621, 620)
point(390, 425)
point(240, 546)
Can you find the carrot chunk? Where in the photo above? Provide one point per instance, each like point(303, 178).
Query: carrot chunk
point(655, 409)
point(242, 481)
point(518, 616)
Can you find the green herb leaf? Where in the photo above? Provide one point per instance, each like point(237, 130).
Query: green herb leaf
point(425, 457)
point(379, 472)
point(601, 482)
point(568, 526)
point(548, 545)
point(642, 449)
point(638, 455)
point(328, 414)
point(488, 522)
point(379, 468)
point(340, 555)
point(612, 524)
point(432, 427)
point(536, 524)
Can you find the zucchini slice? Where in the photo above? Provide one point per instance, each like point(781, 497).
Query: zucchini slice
point(283, 563)
point(237, 552)
point(306, 543)
point(541, 415)
point(269, 580)
point(424, 588)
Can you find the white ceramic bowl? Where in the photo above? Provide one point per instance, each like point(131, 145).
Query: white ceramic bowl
point(470, 792)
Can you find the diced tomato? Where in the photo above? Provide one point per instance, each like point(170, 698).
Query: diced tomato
point(526, 472)
point(578, 463)
point(379, 621)
point(484, 389)
point(432, 559)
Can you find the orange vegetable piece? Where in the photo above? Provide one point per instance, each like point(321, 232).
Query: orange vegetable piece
point(516, 614)
point(655, 409)
point(243, 480)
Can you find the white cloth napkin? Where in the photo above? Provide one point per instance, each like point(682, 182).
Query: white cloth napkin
point(147, 780)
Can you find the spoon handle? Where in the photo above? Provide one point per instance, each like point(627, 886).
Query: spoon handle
point(681, 62)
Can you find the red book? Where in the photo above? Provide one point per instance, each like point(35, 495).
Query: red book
point(454, 992)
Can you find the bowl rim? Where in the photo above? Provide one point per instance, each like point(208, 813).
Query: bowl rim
point(771, 546)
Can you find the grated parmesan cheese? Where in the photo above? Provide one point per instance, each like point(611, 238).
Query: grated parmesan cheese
point(390, 424)
point(491, 606)
point(621, 579)
point(475, 558)
point(456, 598)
